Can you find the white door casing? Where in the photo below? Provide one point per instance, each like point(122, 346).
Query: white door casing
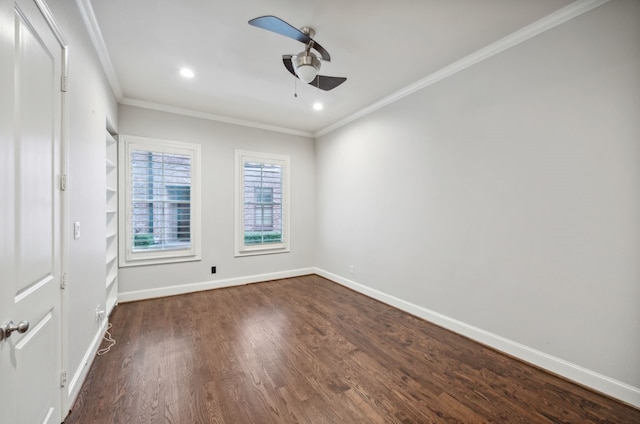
point(30, 212)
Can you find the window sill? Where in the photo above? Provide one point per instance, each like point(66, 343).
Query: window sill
point(157, 261)
point(263, 251)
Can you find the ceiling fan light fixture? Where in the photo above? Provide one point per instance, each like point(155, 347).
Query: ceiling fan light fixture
point(306, 73)
point(306, 65)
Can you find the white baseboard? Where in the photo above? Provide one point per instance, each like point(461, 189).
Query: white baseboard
point(573, 372)
point(75, 383)
point(131, 296)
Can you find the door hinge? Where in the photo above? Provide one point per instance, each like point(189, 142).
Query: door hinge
point(63, 182)
point(63, 83)
point(63, 378)
point(63, 281)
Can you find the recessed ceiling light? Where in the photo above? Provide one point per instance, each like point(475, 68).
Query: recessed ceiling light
point(186, 72)
point(318, 106)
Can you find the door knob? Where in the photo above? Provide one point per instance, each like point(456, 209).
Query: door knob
point(9, 327)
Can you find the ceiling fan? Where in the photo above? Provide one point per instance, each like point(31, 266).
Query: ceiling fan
point(306, 64)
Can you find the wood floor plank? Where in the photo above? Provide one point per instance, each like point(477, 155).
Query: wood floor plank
point(306, 350)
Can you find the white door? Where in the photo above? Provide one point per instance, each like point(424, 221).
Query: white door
point(30, 205)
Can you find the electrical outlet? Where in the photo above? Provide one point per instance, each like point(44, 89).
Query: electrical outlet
point(99, 314)
point(213, 270)
point(76, 230)
point(352, 269)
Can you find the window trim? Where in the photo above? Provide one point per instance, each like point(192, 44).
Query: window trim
point(242, 156)
point(127, 257)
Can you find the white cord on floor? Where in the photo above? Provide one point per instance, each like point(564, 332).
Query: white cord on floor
point(110, 339)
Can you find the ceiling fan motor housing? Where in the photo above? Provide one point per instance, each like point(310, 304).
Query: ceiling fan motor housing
point(306, 65)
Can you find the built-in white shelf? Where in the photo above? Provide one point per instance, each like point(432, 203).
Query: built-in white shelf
point(111, 259)
point(111, 211)
point(111, 278)
point(112, 299)
point(110, 139)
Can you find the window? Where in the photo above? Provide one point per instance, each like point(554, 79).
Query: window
point(262, 198)
point(159, 186)
point(180, 211)
point(263, 207)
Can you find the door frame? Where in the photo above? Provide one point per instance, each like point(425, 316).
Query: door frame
point(64, 199)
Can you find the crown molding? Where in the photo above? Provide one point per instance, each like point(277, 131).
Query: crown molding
point(212, 117)
point(91, 24)
point(559, 17)
point(556, 18)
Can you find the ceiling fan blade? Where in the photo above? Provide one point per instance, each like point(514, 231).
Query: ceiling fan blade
point(320, 81)
point(286, 59)
point(326, 83)
point(277, 25)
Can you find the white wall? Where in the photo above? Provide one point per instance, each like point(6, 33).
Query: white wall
point(89, 104)
point(218, 141)
point(506, 197)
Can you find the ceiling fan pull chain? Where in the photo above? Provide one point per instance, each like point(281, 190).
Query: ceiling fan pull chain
point(295, 87)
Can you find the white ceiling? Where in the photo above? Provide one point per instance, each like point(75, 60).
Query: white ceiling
point(380, 46)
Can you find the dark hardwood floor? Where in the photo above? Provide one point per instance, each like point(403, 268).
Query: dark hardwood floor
point(306, 350)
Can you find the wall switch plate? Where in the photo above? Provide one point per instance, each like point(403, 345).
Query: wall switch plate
point(76, 230)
